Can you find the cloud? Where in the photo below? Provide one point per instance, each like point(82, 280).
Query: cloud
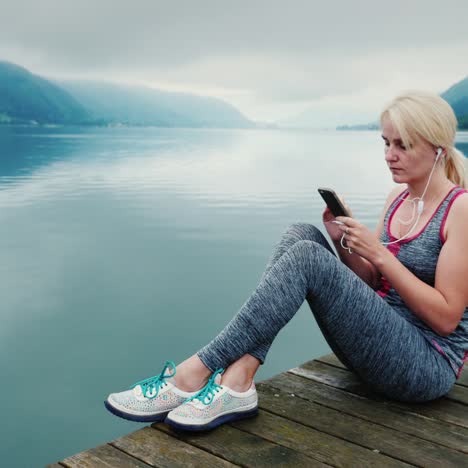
point(266, 57)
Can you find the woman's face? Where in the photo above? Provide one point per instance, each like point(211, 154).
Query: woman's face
point(407, 165)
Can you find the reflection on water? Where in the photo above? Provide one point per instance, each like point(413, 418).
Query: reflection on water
point(122, 248)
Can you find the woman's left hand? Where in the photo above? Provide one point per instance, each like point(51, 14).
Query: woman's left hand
point(360, 239)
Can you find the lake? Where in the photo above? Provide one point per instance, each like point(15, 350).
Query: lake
point(123, 247)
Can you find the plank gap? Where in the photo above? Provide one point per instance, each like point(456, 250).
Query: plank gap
point(131, 455)
point(248, 449)
point(159, 447)
point(334, 436)
point(273, 441)
point(204, 449)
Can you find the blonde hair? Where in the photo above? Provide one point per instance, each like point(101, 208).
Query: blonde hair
point(420, 115)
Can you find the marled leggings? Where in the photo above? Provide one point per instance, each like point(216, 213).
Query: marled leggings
point(366, 334)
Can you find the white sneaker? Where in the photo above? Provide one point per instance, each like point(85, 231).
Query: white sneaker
point(212, 406)
point(149, 400)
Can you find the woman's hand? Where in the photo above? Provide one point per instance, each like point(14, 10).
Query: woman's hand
point(333, 229)
point(360, 239)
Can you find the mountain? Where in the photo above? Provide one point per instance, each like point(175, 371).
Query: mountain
point(137, 105)
point(28, 98)
point(457, 97)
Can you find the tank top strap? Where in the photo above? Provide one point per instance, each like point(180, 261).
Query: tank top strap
point(445, 207)
point(457, 190)
point(395, 203)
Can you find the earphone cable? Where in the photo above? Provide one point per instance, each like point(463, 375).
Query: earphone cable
point(420, 206)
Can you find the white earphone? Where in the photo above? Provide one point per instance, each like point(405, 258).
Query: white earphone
point(419, 206)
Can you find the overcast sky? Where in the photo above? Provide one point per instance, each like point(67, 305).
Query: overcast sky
point(337, 61)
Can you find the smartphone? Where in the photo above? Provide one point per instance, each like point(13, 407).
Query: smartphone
point(333, 202)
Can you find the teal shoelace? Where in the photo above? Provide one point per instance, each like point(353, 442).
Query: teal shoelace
point(150, 387)
point(207, 393)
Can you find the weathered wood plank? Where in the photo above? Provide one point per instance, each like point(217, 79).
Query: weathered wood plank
point(160, 449)
point(438, 432)
point(458, 393)
point(335, 377)
point(332, 418)
point(463, 379)
point(373, 436)
point(443, 409)
point(102, 456)
point(331, 359)
point(305, 439)
point(334, 361)
point(242, 448)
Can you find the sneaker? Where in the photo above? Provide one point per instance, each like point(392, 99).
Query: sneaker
point(149, 400)
point(214, 405)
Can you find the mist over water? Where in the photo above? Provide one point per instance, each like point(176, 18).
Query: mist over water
point(122, 248)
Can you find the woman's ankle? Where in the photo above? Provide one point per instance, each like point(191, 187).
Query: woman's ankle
point(237, 383)
point(191, 374)
point(240, 374)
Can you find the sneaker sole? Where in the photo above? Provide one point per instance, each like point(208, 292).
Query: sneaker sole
point(135, 417)
point(225, 418)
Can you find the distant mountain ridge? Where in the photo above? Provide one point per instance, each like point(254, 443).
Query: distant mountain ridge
point(136, 105)
point(26, 98)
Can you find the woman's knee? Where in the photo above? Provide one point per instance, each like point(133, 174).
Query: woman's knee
point(314, 258)
point(306, 231)
point(303, 229)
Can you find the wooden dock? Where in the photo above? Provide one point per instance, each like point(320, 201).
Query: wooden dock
point(318, 414)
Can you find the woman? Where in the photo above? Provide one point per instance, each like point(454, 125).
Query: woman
point(393, 307)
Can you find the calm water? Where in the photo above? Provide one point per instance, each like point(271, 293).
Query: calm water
point(121, 248)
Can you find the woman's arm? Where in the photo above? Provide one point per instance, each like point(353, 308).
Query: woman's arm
point(442, 306)
point(362, 267)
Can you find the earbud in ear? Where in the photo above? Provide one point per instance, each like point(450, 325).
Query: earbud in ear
point(439, 153)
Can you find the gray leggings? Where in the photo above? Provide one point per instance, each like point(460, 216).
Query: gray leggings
point(366, 334)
